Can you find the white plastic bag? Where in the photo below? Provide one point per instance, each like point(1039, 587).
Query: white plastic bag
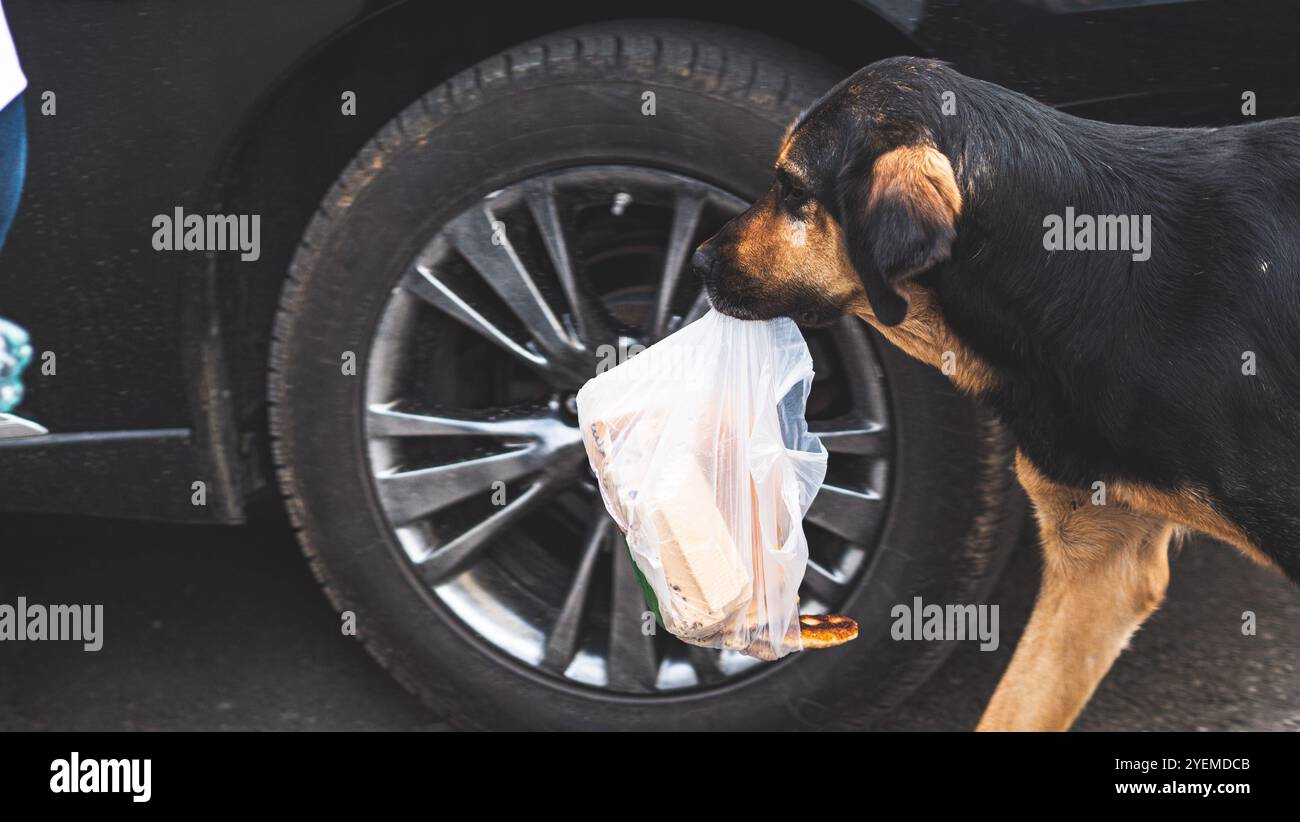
point(705, 462)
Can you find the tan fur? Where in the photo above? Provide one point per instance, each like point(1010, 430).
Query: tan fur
point(925, 335)
point(786, 142)
point(804, 251)
point(1105, 569)
point(1191, 508)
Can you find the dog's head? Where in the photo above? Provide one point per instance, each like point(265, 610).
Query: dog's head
point(862, 201)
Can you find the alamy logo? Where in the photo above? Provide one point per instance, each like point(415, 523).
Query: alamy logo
point(919, 621)
point(683, 365)
point(1104, 232)
point(77, 775)
point(78, 623)
point(179, 231)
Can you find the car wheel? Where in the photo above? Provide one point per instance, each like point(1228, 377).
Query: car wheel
point(518, 225)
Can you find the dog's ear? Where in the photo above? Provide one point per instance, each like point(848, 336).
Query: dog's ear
point(899, 222)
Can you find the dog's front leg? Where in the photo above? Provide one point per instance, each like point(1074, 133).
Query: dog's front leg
point(1105, 569)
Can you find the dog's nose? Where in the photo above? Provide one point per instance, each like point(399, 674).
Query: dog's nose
point(703, 261)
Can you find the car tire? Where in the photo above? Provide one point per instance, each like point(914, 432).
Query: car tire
point(723, 100)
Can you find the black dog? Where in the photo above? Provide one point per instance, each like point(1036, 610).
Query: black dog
point(1127, 299)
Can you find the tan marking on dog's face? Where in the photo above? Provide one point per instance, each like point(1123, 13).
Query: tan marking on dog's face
point(787, 251)
point(808, 253)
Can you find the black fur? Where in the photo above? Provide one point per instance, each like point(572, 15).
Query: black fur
point(1108, 368)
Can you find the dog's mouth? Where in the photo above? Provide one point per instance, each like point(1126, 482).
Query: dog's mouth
point(729, 305)
point(733, 300)
point(749, 306)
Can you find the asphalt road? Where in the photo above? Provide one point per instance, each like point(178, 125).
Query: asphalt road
point(224, 628)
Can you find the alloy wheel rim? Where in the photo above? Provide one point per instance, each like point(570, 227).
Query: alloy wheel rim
point(473, 447)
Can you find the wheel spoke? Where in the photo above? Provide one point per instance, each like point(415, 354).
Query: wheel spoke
point(476, 235)
point(705, 663)
point(861, 437)
point(632, 663)
point(686, 220)
point(446, 560)
point(845, 512)
point(409, 494)
point(562, 643)
point(823, 585)
point(387, 420)
point(590, 321)
point(422, 282)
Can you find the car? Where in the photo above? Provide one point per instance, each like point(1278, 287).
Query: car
point(458, 210)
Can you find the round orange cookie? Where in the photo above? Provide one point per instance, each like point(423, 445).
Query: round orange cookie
point(826, 630)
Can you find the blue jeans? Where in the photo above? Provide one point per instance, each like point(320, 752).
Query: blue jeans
point(13, 162)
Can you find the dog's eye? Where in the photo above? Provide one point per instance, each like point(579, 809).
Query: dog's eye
point(794, 197)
